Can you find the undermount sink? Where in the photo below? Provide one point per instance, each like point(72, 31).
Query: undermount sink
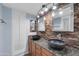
point(56, 44)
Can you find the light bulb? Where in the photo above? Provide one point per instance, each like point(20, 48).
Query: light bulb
point(54, 7)
point(38, 16)
point(32, 21)
point(38, 21)
point(53, 14)
point(60, 12)
point(42, 12)
point(44, 18)
point(46, 9)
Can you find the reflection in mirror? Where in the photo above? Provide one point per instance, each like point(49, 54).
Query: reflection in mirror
point(32, 25)
point(63, 19)
point(41, 24)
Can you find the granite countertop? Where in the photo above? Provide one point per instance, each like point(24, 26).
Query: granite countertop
point(68, 51)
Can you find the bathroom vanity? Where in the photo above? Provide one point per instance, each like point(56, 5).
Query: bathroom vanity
point(41, 48)
point(38, 48)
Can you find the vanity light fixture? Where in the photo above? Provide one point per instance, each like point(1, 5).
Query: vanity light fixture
point(45, 9)
point(54, 6)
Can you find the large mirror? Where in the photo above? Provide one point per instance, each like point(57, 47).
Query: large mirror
point(32, 26)
point(63, 19)
point(41, 24)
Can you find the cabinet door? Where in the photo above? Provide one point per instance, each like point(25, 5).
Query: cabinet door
point(38, 50)
point(30, 46)
point(33, 49)
point(46, 52)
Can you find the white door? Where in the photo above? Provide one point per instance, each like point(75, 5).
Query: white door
point(19, 32)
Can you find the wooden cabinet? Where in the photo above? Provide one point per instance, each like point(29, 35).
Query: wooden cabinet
point(46, 52)
point(37, 50)
point(33, 49)
point(30, 45)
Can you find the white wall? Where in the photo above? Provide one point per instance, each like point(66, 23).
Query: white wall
point(0, 32)
point(14, 34)
point(5, 31)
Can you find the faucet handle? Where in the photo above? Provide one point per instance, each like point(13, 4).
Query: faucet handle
point(59, 36)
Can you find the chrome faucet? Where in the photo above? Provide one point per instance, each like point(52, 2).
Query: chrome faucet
point(59, 36)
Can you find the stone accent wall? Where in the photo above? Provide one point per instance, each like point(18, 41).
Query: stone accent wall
point(71, 38)
point(48, 27)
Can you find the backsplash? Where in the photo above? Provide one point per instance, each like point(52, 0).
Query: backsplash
point(72, 38)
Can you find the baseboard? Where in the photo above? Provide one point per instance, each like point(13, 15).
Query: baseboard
point(20, 52)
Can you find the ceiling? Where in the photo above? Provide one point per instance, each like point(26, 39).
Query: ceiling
point(31, 8)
